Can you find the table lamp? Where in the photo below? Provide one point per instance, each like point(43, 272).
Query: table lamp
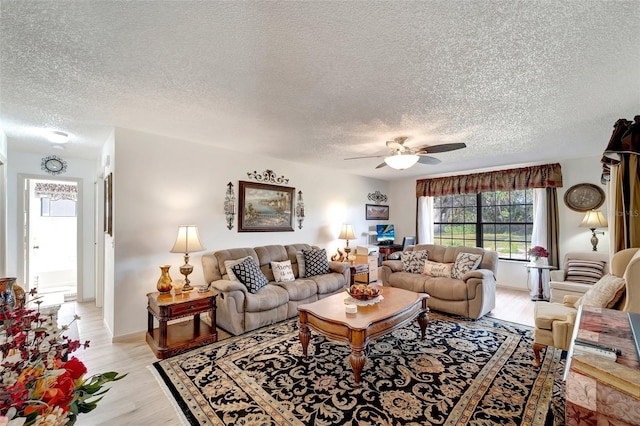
point(346, 233)
point(594, 219)
point(187, 242)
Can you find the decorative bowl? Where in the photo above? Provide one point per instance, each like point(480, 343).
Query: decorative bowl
point(373, 292)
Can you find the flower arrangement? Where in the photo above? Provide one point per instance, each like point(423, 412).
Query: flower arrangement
point(39, 384)
point(537, 252)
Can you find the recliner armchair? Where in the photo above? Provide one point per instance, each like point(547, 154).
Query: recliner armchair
point(554, 322)
point(561, 287)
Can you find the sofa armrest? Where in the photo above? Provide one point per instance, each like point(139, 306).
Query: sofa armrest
point(338, 267)
point(225, 286)
point(570, 300)
point(394, 265)
point(478, 273)
point(556, 275)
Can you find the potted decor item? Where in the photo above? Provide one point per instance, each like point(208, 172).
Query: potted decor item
point(538, 255)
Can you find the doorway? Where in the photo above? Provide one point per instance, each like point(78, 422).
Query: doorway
point(50, 238)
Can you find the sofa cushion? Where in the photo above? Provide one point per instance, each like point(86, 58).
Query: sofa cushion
point(464, 263)
point(446, 288)
point(408, 281)
point(329, 283)
point(413, 261)
point(249, 274)
point(436, 269)
point(604, 294)
point(315, 262)
point(282, 271)
point(584, 271)
point(268, 297)
point(228, 264)
point(300, 262)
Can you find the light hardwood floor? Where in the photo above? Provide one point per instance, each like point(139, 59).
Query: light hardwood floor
point(139, 400)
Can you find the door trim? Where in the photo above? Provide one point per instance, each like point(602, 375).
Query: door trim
point(22, 265)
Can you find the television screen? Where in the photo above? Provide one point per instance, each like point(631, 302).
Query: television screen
point(385, 232)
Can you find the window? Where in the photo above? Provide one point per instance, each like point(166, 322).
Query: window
point(501, 221)
point(57, 208)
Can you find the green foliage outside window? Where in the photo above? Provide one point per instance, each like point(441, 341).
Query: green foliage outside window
point(501, 221)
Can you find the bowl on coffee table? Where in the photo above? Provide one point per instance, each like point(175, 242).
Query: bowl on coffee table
point(364, 291)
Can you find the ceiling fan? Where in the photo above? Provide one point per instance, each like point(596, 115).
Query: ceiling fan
point(403, 157)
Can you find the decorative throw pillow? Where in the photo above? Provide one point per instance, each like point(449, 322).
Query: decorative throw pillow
point(300, 260)
point(282, 271)
point(413, 261)
point(316, 262)
point(465, 262)
point(249, 274)
point(228, 264)
point(604, 294)
point(584, 271)
point(436, 269)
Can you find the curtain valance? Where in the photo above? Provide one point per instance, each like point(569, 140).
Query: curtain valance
point(56, 191)
point(543, 176)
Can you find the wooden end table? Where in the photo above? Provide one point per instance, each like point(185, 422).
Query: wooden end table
point(170, 339)
point(329, 318)
point(357, 270)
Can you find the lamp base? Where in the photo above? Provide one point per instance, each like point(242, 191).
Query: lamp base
point(185, 270)
point(594, 238)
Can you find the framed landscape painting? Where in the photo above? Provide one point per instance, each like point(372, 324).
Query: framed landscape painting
point(265, 208)
point(376, 212)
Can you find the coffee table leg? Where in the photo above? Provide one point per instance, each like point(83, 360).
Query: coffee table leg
point(357, 359)
point(423, 321)
point(305, 335)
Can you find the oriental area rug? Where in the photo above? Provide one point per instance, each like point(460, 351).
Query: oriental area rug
point(463, 372)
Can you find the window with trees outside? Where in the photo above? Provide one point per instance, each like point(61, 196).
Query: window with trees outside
point(501, 221)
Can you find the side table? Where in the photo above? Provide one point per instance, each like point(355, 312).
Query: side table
point(540, 269)
point(357, 270)
point(601, 390)
point(171, 339)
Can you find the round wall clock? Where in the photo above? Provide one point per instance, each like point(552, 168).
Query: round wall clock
point(584, 197)
point(53, 165)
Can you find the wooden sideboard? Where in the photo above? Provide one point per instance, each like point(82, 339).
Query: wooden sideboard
point(600, 390)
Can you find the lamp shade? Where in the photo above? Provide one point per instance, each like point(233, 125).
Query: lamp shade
point(594, 219)
point(346, 233)
point(187, 240)
point(401, 161)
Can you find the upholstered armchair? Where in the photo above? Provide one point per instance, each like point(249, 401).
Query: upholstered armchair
point(567, 281)
point(554, 321)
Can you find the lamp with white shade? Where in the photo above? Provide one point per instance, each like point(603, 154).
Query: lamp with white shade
point(594, 219)
point(187, 242)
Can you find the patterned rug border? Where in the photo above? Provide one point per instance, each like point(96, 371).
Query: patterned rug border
point(533, 413)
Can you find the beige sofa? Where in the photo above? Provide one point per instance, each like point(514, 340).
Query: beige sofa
point(239, 311)
point(472, 296)
point(558, 284)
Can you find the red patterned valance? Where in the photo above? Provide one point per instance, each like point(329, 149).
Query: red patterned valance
point(544, 176)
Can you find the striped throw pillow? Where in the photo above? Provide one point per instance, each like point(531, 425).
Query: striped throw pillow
point(584, 271)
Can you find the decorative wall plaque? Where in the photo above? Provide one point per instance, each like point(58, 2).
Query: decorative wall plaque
point(377, 197)
point(268, 177)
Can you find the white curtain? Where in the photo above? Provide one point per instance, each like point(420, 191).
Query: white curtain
point(425, 220)
point(539, 238)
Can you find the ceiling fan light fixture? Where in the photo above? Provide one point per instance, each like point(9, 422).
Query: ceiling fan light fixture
point(401, 161)
point(57, 137)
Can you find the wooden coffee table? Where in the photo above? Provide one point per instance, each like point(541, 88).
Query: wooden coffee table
point(329, 318)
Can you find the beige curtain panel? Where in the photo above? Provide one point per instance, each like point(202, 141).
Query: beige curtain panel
point(544, 176)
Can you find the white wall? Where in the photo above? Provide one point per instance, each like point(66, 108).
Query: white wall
point(160, 183)
point(3, 204)
point(28, 164)
point(511, 273)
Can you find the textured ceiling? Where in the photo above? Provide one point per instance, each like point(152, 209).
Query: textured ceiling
point(315, 82)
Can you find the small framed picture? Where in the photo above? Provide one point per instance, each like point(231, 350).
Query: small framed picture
point(376, 212)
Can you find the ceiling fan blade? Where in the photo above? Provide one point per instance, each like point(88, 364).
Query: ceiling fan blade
point(425, 159)
point(445, 147)
point(366, 156)
point(381, 165)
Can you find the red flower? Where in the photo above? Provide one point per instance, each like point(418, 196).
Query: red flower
point(75, 368)
point(61, 392)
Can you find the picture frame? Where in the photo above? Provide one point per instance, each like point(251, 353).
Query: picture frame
point(376, 212)
point(108, 205)
point(265, 208)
